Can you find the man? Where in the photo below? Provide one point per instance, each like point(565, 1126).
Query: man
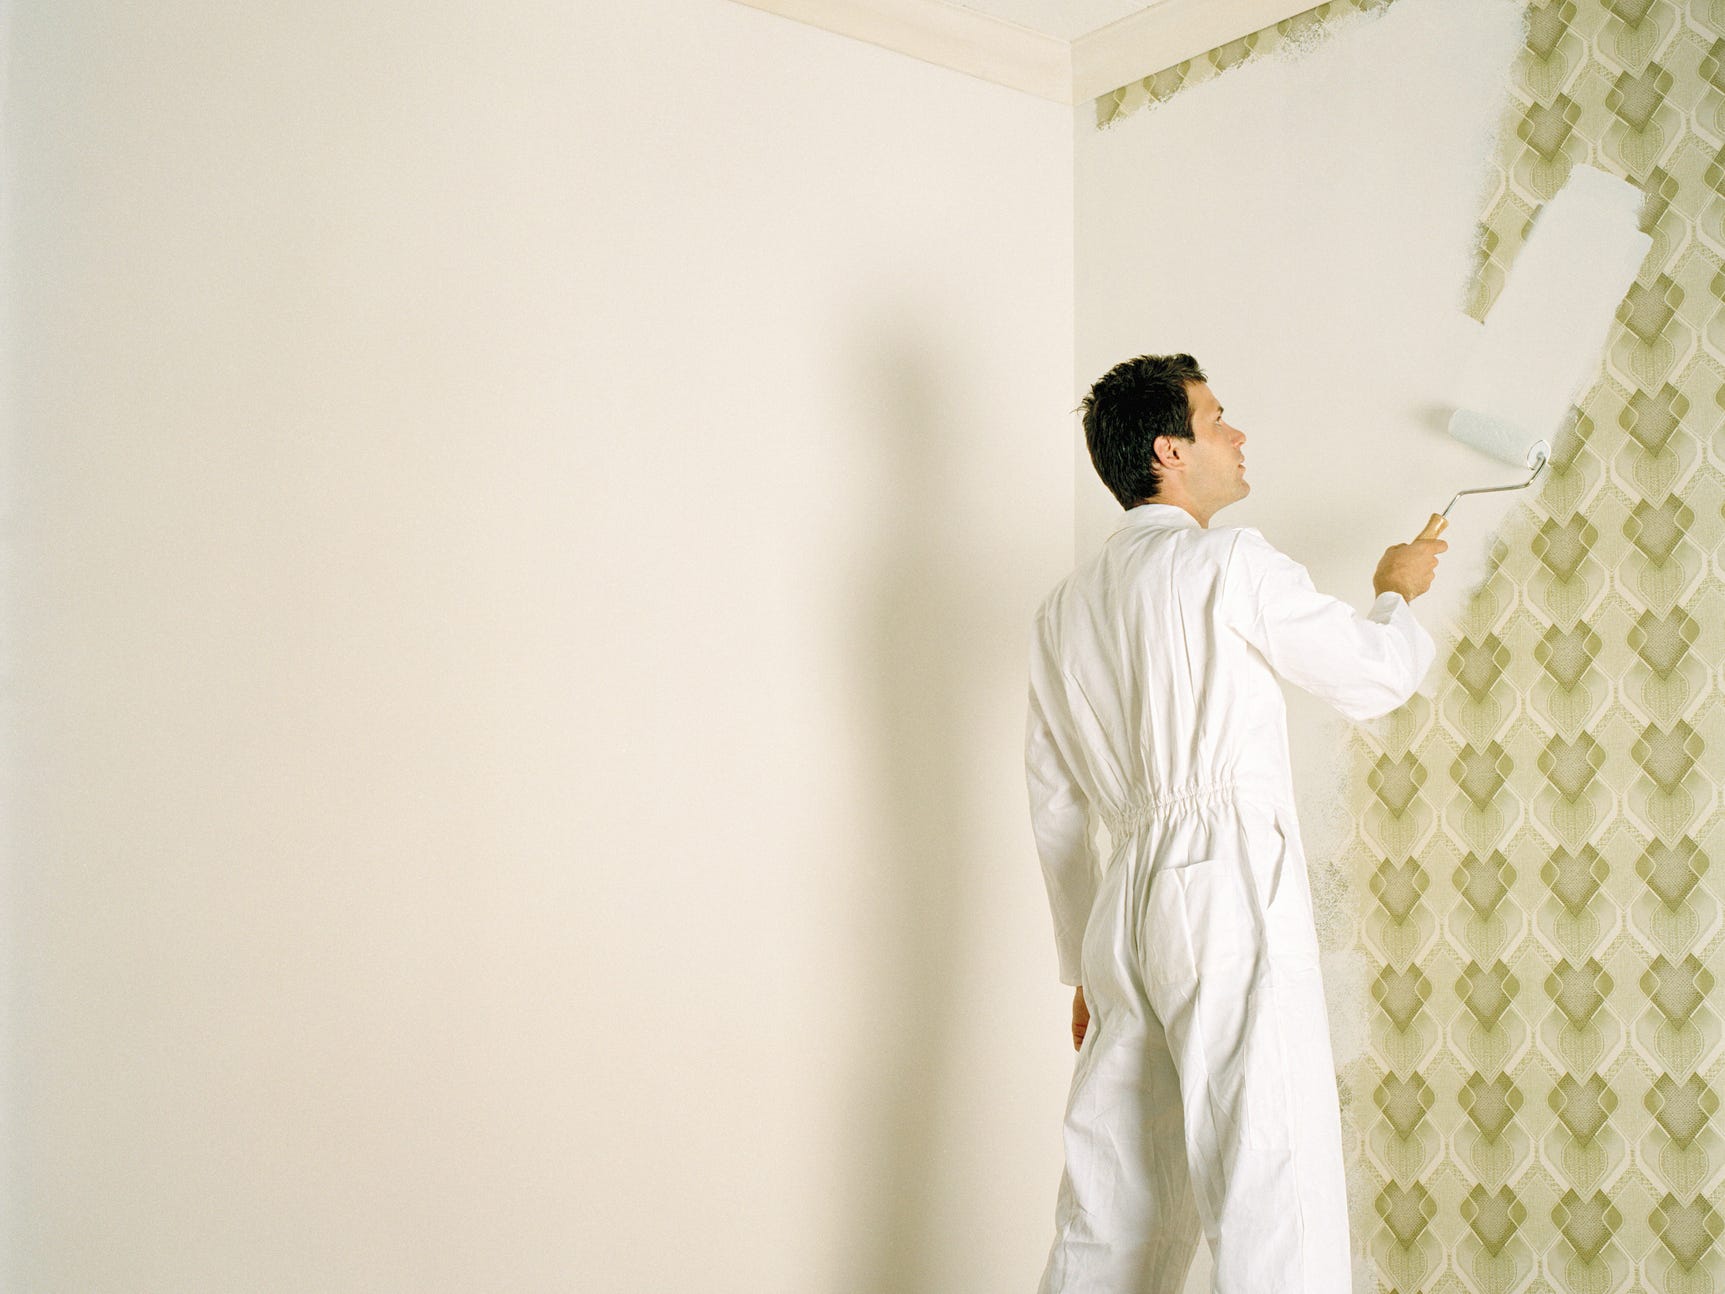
point(1204, 1093)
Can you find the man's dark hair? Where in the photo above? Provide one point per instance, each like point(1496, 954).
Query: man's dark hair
point(1130, 405)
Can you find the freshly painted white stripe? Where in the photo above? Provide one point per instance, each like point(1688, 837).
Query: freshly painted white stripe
point(946, 34)
point(1546, 333)
point(968, 40)
point(1166, 33)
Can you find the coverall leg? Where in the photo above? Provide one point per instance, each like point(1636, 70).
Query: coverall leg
point(1205, 1090)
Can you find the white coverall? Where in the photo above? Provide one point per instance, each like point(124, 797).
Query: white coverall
point(1205, 1091)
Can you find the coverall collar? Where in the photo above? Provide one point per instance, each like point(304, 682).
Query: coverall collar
point(1159, 514)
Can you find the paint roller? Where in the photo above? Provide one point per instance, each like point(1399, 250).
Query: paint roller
point(1545, 333)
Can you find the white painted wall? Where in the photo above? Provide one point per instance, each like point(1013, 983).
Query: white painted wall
point(1304, 228)
point(527, 517)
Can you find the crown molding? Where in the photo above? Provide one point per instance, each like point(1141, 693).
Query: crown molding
point(946, 34)
point(1162, 34)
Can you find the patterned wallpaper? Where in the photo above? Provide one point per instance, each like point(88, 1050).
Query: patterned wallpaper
point(1538, 1108)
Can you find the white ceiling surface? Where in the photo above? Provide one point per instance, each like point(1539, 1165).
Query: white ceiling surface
point(1067, 19)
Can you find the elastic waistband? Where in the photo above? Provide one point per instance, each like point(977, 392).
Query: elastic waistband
point(1139, 810)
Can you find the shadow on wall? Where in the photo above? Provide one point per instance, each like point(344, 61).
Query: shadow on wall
point(914, 670)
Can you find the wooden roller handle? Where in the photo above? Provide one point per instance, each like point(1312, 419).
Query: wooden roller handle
point(1434, 527)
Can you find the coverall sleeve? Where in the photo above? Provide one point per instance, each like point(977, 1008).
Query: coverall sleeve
point(1365, 666)
point(1060, 820)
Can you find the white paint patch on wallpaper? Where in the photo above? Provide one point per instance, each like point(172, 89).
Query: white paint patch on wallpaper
point(1305, 227)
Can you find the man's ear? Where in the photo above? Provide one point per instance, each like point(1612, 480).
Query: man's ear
point(1166, 449)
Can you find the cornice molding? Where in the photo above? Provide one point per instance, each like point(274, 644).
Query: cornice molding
point(946, 34)
point(1164, 33)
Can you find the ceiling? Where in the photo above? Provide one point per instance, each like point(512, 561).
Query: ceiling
point(1067, 19)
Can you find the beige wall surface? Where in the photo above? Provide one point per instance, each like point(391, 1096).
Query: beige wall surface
point(525, 522)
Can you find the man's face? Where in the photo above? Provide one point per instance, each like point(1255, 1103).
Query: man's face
point(1215, 461)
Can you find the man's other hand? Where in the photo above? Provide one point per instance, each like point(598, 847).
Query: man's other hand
point(1080, 1018)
